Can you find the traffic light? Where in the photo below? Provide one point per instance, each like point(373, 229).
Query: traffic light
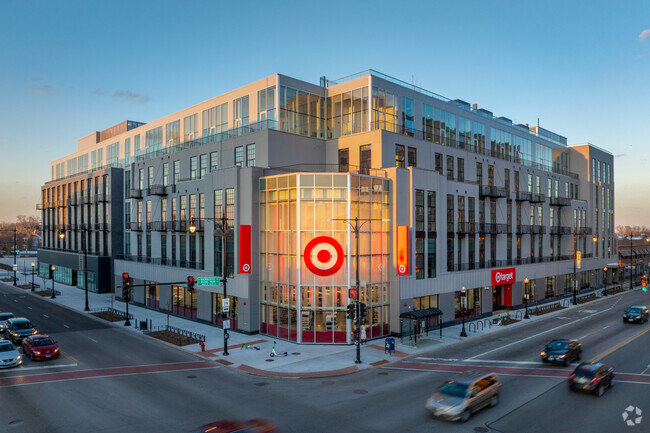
point(126, 287)
point(190, 284)
point(644, 284)
point(362, 312)
point(351, 308)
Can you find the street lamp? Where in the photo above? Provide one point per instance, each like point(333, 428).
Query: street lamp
point(605, 281)
point(33, 265)
point(52, 268)
point(224, 221)
point(85, 270)
point(463, 300)
point(575, 281)
point(526, 294)
point(356, 227)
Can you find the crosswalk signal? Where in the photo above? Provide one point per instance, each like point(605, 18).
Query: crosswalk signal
point(126, 287)
point(351, 308)
point(190, 284)
point(362, 311)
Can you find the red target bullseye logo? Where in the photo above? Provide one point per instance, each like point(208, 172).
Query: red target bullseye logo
point(323, 256)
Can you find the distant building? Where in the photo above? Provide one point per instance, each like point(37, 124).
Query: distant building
point(452, 203)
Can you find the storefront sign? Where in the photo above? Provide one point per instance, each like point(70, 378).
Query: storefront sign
point(402, 250)
point(244, 249)
point(323, 256)
point(503, 276)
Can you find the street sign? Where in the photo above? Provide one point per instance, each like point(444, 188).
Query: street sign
point(353, 294)
point(225, 305)
point(15, 267)
point(209, 281)
point(226, 324)
point(578, 259)
point(82, 264)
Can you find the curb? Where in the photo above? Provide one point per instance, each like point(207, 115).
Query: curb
point(306, 375)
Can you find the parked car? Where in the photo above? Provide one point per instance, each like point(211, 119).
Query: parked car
point(636, 314)
point(3, 318)
point(236, 426)
point(562, 351)
point(40, 347)
point(462, 395)
point(18, 328)
point(592, 377)
point(9, 356)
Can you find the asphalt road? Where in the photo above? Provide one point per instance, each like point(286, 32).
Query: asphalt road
point(112, 380)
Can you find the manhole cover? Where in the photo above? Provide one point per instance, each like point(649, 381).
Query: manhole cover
point(328, 382)
point(270, 360)
point(480, 430)
point(383, 373)
point(191, 377)
point(16, 422)
point(261, 383)
point(296, 353)
point(360, 391)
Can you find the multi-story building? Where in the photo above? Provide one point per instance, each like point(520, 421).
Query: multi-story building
point(432, 204)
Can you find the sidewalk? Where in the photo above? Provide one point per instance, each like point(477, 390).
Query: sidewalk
point(303, 360)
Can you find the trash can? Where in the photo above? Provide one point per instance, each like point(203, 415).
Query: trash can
point(143, 325)
point(389, 345)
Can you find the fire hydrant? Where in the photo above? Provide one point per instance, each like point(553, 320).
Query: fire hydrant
point(202, 344)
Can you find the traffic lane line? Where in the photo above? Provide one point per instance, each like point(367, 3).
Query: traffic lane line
point(71, 358)
point(619, 345)
point(509, 371)
point(104, 372)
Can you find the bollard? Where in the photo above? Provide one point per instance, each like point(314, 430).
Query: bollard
point(202, 344)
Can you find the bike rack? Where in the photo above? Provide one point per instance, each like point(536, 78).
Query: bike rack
point(518, 315)
point(470, 326)
point(480, 323)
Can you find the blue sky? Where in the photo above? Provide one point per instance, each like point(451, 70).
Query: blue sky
point(69, 68)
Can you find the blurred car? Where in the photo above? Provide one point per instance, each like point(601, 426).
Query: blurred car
point(9, 356)
point(40, 347)
point(636, 314)
point(592, 377)
point(562, 351)
point(236, 426)
point(3, 318)
point(464, 394)
point(18, 328)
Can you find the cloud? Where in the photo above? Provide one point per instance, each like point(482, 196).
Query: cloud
point(620, 155)
point(42, 90)
point(99, 92)
point(130, 96)
point(644, 35)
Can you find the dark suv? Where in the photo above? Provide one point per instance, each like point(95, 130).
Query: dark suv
point(562, 351)
point(636, 314)
point(18, 328)
point(592, 377)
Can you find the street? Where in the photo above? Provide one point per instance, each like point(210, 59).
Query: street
point(109, 379)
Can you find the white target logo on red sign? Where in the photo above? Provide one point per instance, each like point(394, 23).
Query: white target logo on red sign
point(323, 256)
point(246, 267)
point(401, 269)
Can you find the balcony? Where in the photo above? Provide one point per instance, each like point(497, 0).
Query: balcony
point(523, 196)
point(584, 231)
point(537, 230)
point(466, 228)
point(523, 229)
point(157, 190)
point(71, 200)
point(179, 226)
point(492, 228)
point(560, 230)
point(492, 191)
point(100, 197)
point(136, 226)
point(85, 199)
point(136, 193)
point(158, 226)
point(537, 198)
point(560, 201)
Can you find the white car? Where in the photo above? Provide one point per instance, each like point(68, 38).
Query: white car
point(9, 356)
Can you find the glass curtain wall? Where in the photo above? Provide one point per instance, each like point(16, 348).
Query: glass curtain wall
point(297, 304)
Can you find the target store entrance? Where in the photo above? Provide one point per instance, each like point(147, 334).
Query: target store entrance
point(308, 255)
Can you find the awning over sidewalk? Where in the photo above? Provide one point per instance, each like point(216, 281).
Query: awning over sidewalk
point(417, 318)
point(421, 314)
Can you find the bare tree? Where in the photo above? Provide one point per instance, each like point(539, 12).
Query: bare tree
point(27, 227)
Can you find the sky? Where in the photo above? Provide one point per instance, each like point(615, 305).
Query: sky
point(69, 68)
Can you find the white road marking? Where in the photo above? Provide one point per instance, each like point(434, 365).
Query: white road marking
point(48, 366)
point(532, 336)
point(588, 311)
point(93, 340)
point(647, 368)
point(582, 338)
point(437, 359)
point(507, 362)
point(46, 316)
point(29, 308)
point(16, 300)
point(66, 326)
point(605, 327)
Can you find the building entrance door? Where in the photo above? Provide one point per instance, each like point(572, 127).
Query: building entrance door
point(497, 301)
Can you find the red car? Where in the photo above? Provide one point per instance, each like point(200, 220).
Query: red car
point(40, 347)
point(235, 426)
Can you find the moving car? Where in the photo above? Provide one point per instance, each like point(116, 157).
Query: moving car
point(9, 356)
point(464, 394)
point(18, 328)
point(592, 377)
point(3, 319)
point(40, 347)
point(235, 426)
point(636, 314)
point(562, 351)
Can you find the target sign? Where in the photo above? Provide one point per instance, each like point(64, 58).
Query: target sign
point(323, 256)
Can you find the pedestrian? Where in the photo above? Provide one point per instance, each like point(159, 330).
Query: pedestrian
point(363, 334)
